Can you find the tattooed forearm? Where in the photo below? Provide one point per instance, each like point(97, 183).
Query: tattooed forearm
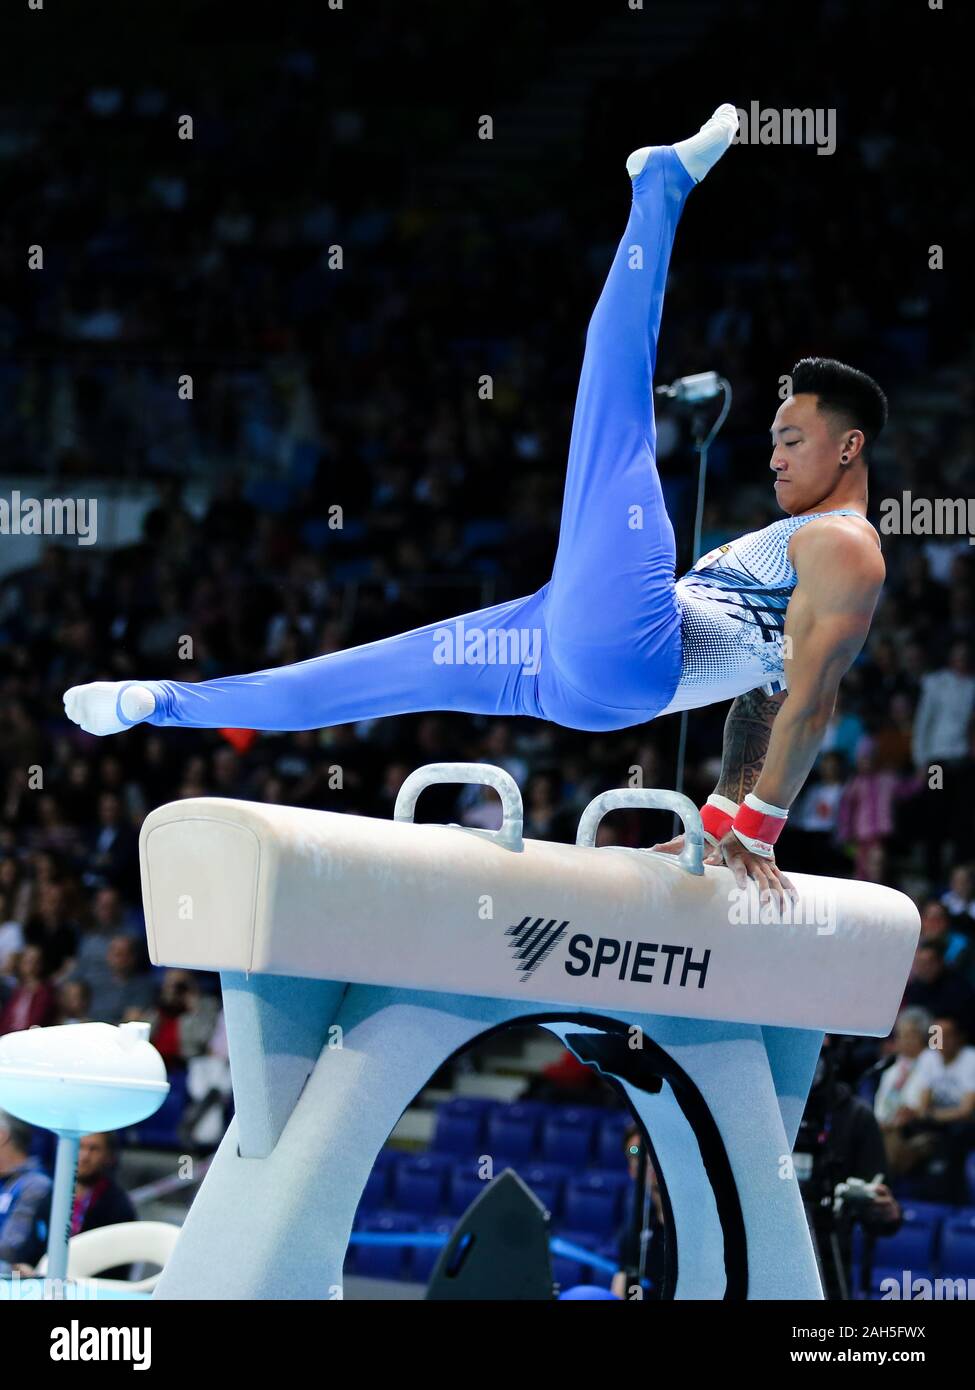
point(747, 731)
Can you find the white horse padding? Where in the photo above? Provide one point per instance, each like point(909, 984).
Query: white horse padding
point(358, 954)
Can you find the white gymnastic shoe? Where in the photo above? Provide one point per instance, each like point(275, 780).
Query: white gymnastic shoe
point(702, 151)
point(95, 707)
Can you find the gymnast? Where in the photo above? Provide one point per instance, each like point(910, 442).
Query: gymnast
point(772, 620)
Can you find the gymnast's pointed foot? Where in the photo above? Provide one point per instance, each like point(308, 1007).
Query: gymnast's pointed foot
point(108, 707)
point(702, 151)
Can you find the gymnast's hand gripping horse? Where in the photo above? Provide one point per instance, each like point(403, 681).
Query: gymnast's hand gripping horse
point(772, 620)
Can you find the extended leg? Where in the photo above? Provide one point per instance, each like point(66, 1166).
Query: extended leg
point(480, 663)
point(613, 619)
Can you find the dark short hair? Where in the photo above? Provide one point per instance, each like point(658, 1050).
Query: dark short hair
point(844, 391)
point(934, 902)
point(111, 1140)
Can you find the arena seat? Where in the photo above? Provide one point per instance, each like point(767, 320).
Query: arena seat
point(592, 1207)
point(957, 1259)
point(515, 1128)
point(567, 1136)
point(610, 1133)
point(419, 1183)
point(459, 1128)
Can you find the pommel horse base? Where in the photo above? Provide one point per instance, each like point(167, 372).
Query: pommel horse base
point(356, 955)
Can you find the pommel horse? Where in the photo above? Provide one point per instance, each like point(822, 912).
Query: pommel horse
point(356, 955)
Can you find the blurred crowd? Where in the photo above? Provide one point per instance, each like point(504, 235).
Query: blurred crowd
point(357, 484)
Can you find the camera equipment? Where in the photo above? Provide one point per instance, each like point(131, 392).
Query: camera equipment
point(834, 1199)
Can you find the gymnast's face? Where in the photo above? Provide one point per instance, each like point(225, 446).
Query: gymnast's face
point(807, 449)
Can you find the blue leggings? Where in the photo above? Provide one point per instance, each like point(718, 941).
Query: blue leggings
point(599, 646)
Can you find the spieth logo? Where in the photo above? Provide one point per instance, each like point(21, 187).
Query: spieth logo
point(532, 940)
point(643, 962)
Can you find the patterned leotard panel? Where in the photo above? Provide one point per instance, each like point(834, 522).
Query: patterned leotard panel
point(733, 606)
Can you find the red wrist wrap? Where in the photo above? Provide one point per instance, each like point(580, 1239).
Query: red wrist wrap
point(758, 826)
point(715, 821)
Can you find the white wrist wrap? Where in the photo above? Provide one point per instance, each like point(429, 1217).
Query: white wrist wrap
point(765, 807)
point(761, 848)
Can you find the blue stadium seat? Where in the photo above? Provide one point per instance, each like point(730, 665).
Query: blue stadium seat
point(568, 1273)
point(547, 1181)
point(460, 1127)
point(592, 1203)
point(567, 1135)
point(958, 1246)
point(587, 1240)
point(385, 1261)
point(616, 1178)
point(609, 1140)
point(464, 1186)
point(912, 1248)
point(514, 1128)
point(970, 1175)
point(464, 1181)
point(609, 1251)
point(419, 1183)
point(425, 1257)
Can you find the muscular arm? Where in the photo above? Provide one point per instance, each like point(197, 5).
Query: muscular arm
point(840, 572)
point(747, 731)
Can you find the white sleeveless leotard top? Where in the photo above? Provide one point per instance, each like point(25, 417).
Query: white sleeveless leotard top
point(733, 606)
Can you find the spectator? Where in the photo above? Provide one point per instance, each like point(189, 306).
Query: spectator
point(114, 855)
point(936, 987)
point(641, 1247)
point(52, 928)
point(810, 844)
point(892, 1103)
point(183, 1020)
point(941, 733)
point(25, 1195)
point(844, 730)
point(16, 889)
point(893, 744)
point(91, 961)
point(33, 1002)
point(99, 1200)
point(936, 926)
point(127, 991)
point(943, 1095)
point(959, 898)
point(209, 1087)
point(846, 1143)
point(544, 813)
point(867, 805)
point(74, 1002)
point(11, 936)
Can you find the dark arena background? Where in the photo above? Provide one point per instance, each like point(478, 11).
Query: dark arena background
point(293, 301)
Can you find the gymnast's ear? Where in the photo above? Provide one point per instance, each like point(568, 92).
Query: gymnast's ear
point(853, 445)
